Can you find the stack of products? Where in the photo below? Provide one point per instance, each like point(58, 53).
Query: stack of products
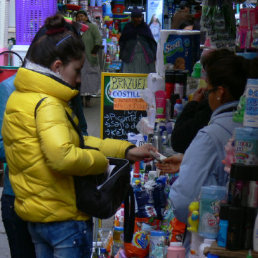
point(155, 225)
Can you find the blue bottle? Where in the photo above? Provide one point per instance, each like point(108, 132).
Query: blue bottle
point(223, 225)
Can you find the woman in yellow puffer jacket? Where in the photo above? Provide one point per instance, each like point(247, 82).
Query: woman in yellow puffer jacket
point(42, 149)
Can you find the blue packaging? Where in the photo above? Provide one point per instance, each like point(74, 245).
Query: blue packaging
point(211, 197)
point(159, 197)
point(223, 225)
point(182, 49)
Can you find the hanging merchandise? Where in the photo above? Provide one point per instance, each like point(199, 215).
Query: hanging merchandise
point(84, 4)
point(247, 32)
point(218, 22)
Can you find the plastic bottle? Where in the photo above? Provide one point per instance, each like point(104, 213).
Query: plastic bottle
point(196, 241)
point(94, 250)
point(160, 98)
point(169, 82)
point(108, 60)
point(118, 238)
point(157, 244)
point(164, 142)
point(249, 255)
point(235, 228)
point(223, 225)
point(176, 250)
point(119, 217)
point(179, 85)
point(211, 196)
point(255, 235)
point(178, 108)
point(136, 172)
point(102, 253)
point(206, 243)
point(146, 172)
point(250, 215)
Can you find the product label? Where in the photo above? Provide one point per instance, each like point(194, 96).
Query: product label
point(182, 51)
point(251, 109)
point(141, 239)
point(209, 218)
point(246, 151)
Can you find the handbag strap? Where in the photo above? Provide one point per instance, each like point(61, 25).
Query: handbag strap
point(76, 127)
point(79, 131)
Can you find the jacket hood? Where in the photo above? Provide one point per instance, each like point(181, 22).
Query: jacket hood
point(31, 81)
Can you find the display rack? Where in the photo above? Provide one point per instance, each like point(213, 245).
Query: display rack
point(223, 252)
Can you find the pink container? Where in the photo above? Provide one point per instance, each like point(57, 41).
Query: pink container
point(176, 250)
point(3, 57)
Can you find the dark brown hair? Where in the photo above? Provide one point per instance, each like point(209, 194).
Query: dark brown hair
point(214, 55)
point(253, 68)
point(230, 72)
point(58, 42)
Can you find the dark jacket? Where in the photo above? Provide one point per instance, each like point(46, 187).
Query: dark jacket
point(195, 116)
point(129, 38)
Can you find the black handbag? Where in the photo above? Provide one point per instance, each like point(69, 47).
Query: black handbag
point(102, 202)
point(100, 196)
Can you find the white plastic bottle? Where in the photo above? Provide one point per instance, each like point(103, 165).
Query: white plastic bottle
point(255, 238)
point(206, 243)
point(196, 241)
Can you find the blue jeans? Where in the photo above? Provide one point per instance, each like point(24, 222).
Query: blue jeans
point(67, 239)
point(19, 238)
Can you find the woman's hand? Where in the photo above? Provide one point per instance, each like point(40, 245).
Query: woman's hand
point(140, 153)
point(199, 94)
point(171, 164)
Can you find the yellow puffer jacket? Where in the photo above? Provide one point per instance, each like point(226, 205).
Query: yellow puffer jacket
point(43, 153)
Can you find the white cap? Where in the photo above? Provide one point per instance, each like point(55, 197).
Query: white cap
point(176, 243)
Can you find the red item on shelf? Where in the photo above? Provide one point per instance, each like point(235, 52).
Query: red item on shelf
point(73, 7)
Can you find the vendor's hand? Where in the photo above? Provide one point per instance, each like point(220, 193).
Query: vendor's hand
point(199, 94)
point(140, 153)
point(171, 164)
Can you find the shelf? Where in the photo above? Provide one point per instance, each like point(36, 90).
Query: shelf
point(222, 252)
